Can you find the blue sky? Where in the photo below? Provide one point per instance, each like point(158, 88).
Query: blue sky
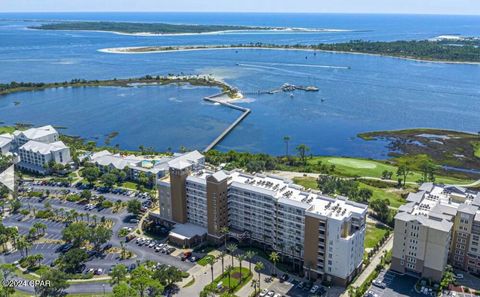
point(347, 6)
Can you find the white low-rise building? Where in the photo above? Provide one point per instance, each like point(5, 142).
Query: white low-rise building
point(45, 134)
point(34, 155)
point(6, 142)
point(35, 148)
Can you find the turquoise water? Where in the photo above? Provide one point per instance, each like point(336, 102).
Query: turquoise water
point(358, 93)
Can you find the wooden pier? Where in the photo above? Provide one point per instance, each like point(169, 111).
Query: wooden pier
point(245, 112)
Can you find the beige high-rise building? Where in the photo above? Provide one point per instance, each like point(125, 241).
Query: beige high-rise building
point(438, 225)
point(324, 235)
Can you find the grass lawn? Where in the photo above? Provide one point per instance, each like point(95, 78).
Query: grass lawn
point(7, 129)
point(19, 293)
point(476, 147)
point(234, 279)
point(351, 167)
point(395, 199)
point(204, 261)
point(129, 185)
point(373, 234)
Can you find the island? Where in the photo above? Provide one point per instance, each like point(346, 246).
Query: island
point(462, 50)
point(144, 28)
point(194, 80)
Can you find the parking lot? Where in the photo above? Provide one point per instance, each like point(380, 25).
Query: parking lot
point(396, 285)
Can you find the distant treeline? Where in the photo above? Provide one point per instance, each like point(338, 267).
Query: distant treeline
point(14, 87)
point(466, 50)
point(154, 28)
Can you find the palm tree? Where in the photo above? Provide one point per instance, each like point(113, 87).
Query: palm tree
point(259, 267)
point(38, 259)
point(23, 245)
point(40, 226)
point(255, 285)
point(224, 232)
point(249, 255)
point(286, 139)
point(240, 258)
point(222, 257)
point(274, 258)
point(229, 270)
point(232, 248)
point(211, 261)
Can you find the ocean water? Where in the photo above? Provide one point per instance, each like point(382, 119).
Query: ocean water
point(358, 93)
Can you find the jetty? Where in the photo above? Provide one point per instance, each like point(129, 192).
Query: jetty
point(245, 112)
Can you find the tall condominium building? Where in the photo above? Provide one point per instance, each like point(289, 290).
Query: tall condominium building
point(325, 234)
point(439, 225)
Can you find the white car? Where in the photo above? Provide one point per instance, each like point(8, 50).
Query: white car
point(263, 293)
point(459, 276)
point(270, 294)
point(314, 289)
point(277, 295)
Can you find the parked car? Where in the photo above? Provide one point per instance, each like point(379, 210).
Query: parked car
point(270, 293)
point(379, 283)
point(263, 293)
point(284, 277)
point(459, 276)
point(314, 289)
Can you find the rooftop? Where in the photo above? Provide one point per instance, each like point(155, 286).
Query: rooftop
point(36, 133)
point(5, 139)
point(435, 204)
point(43, 148)
point(106, 158)
point(285, 191)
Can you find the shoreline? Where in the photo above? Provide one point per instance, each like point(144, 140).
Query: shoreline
point(246, 31)
point(195, 80)
point(163, 49)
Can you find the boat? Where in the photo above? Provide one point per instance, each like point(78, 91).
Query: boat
point(312, 89)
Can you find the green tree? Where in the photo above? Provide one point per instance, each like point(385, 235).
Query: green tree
point(274, 257)
point(381, 208)
point(404, 171)
point(124, 290)
point(73, 260)
point(58, 283)
point(302, 151)
point(86, 194)
point(7, 273)
point(258, 268)
point(76, 233)
point(240, 259)
point(109, 179)
point(134, 206)
point(211, 261)
point(249, 256)
point(118, 274)
point(91, 174)
point(448, 277)
point(228, 271)
point(99, 235)
point(232, 248)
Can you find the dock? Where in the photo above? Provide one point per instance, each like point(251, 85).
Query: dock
point(245, 112)
point(285, 88)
